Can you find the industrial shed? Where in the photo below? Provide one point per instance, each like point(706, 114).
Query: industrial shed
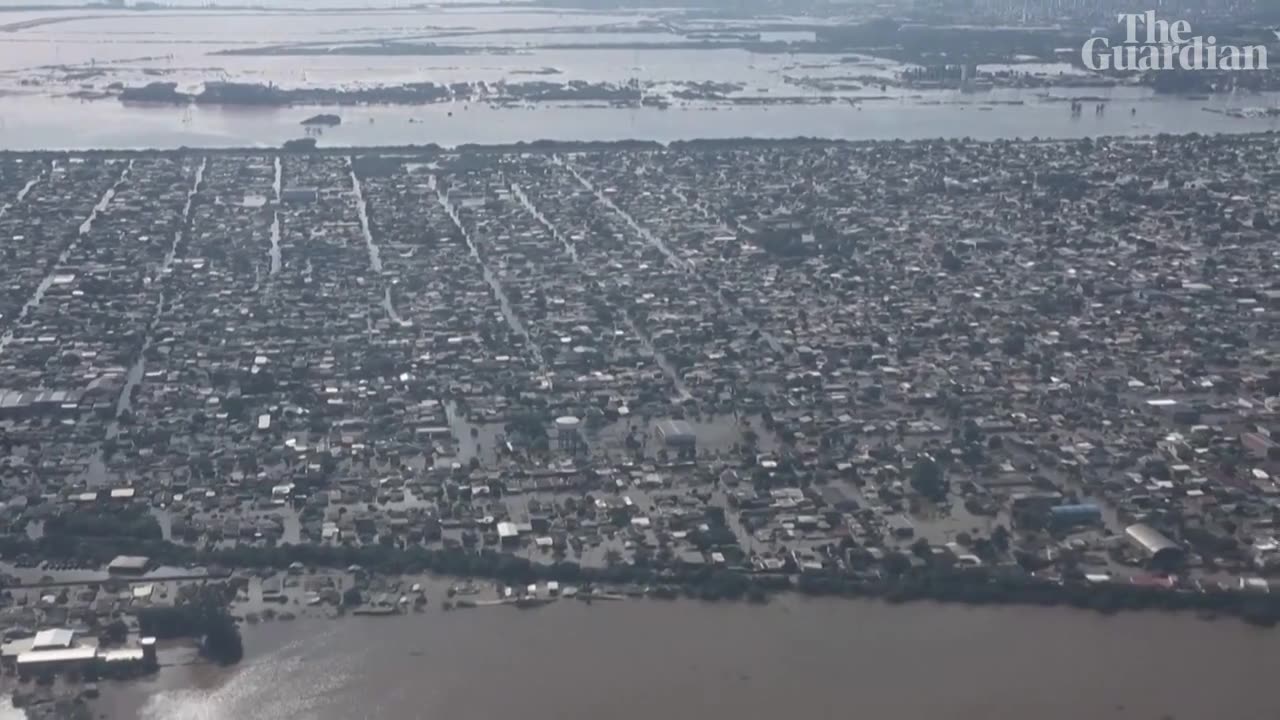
point(129, 565)
point(56, 639)
point(508, 534)
point(47, 661)
point(1074, 515)
point(835, 498)
point(299, 195)
point(676, 433)
point(1162, 552)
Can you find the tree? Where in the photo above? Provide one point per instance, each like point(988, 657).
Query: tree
point(1014, 343)
point(236, 408)
point(985, 549)
point(1000, 538)
point(643, 556)
point(896, 564)
point(201, 614)
point(222, 641)
point(116, 632)
point(920, 548)
point(927, 478)
point(328, 464)
point(950, 262)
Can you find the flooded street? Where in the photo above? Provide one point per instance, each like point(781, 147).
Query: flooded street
point(793, 658)
point(66, 253)
point(274, 252)
point(495, 284)
point(375, 259)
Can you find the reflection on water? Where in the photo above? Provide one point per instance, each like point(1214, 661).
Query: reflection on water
point(795, 658)
point(291, 681)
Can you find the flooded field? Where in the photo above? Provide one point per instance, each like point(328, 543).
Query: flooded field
point(59, 68)
point(794, 658)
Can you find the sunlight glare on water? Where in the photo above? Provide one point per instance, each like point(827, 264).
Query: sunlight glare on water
point(250, 691)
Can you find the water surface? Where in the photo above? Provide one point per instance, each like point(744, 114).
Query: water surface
point(638, 660)
point(35, 122)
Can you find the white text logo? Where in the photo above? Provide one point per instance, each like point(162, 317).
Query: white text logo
point(1154, 44)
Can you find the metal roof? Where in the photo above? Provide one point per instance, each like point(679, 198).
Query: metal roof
point(36, 657)
point(675, 429)
point(1151, 540)
point(129, 562)
point(54, 638)
point(124, 655)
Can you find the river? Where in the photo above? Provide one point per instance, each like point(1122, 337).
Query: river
point(38, 122)
point(797, 657)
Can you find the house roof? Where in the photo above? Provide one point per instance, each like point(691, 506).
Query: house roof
point(53, 638)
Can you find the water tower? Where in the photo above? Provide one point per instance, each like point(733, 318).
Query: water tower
point(567, 437)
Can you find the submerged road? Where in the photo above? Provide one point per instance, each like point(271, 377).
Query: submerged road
point(22, 194)
point(492, 279)
point(658, 358)
point(96, 473)
point(274, 252)
point(44, 285)
point(362, 209)
point(675, 260)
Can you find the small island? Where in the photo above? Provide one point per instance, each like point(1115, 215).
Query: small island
point(323, 120)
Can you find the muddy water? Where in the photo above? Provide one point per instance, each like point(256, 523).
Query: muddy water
point(795, 658)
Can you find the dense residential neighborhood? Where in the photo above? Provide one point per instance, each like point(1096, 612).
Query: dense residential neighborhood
point(1041, 371)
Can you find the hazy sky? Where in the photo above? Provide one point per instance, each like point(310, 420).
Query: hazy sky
point(266, 3)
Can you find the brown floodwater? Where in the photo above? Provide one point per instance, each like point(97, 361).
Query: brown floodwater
point(794, 658)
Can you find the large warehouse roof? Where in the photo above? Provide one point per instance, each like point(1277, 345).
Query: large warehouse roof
point(75, 654)
point(129, 563)
point(676, 431)
point(1150, 539)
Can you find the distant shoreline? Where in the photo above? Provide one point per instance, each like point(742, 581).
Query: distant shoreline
point(150, 7)
point(580, 146)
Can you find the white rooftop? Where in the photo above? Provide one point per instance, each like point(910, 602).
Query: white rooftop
point(54, 638)
point(75, 654)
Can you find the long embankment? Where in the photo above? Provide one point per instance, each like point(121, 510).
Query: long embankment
point(572, 146)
